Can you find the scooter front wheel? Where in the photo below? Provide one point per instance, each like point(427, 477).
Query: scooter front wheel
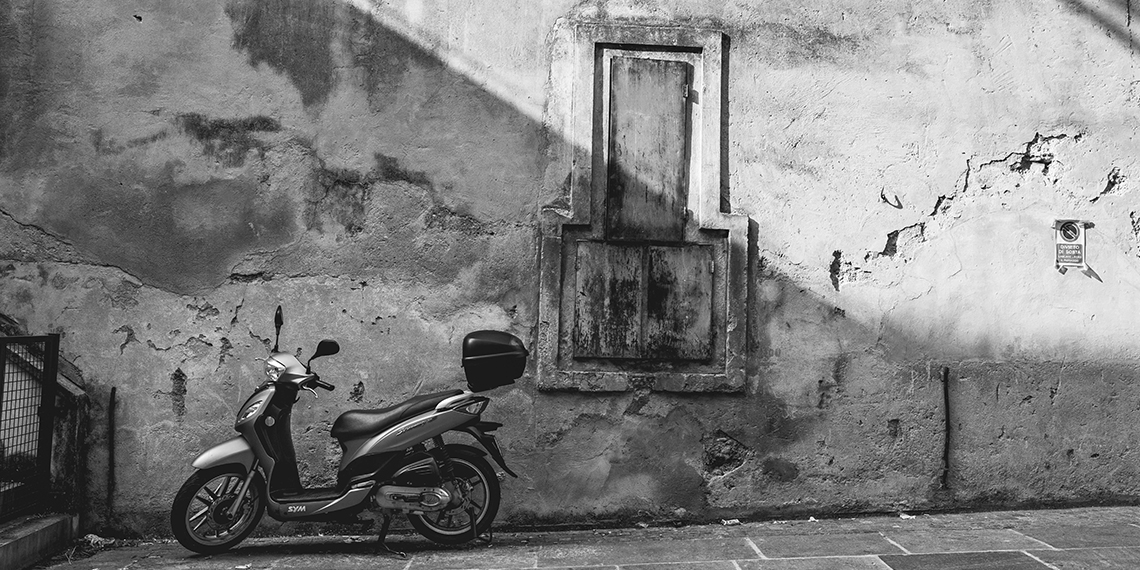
point(476, 492)
point(200, 516)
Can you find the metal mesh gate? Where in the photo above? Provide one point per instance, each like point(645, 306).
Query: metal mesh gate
point(28, 368)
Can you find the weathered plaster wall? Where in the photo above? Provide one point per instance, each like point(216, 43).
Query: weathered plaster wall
point(170, 172)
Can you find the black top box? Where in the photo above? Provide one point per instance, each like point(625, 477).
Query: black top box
point(492, 359)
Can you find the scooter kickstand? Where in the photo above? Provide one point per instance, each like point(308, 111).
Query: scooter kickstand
point(381, 544)
point(475, 530)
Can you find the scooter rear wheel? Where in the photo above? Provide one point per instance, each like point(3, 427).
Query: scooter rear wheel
point(476, 487)
point(200, 517)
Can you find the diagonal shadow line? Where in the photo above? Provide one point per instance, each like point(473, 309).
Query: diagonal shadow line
point(1111, 22)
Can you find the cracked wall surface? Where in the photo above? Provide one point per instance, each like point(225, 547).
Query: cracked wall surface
point(170, 173)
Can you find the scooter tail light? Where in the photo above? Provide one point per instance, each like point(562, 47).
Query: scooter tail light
point(475, 408)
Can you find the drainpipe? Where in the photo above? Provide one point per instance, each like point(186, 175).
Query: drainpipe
point(946, 427)
point(111, 456)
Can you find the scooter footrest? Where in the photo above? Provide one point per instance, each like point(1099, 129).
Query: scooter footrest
point(305, 495)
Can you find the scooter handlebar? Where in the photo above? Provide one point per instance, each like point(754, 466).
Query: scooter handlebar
point(322, 384)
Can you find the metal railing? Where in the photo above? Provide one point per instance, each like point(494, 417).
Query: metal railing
point(28, 367)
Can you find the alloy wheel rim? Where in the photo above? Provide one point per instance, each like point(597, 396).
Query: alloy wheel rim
point(207, 516)
point(471, 489)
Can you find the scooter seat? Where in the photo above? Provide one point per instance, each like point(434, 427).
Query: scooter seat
point(357, 423)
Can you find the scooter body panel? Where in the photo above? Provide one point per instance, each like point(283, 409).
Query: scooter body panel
point(351, 499)
point(236, 450)
point(407, 433)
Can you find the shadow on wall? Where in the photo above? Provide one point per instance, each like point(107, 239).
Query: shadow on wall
point(1116, 19)
point(830, 419)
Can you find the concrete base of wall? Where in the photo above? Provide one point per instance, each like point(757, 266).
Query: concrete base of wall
point(28, 540)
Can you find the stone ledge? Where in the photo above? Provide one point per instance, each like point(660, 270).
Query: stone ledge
point(27, 540)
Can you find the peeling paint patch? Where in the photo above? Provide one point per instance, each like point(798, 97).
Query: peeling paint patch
point(901, 240)
point(130, 337)
point(836, 266)
point(841, 271)
point(178, 392)
point(226, 350)
point(357, 394)
point(1115, 179)
point(1040, 150)
point(723, 453)
point(204, 311)
point(1038, 156)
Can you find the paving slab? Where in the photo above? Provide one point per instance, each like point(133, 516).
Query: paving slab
point(964, 561)
point(641, 552)
point(803, 545)
point(717, 565)
point(1074, 536)
point(1080, 559)
point(828, 563)
point(935, 541)
point(1017, 540)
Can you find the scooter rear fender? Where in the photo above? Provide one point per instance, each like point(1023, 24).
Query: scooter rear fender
point(236, 450)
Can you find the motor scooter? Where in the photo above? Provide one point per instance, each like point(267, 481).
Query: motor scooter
point(393, 459)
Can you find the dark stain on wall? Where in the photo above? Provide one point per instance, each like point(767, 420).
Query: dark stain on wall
point(388, 168)
point(384, 56)
point(179, 237)
point(342, 196)
point(23, 141)
point(228, 140)
point(780, 469)
point(800, 46)
point(109, 147)
point(10, 40)
point(443, 218)
point(292, 36)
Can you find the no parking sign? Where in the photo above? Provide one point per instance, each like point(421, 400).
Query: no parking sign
point(1070, 245)
point(1071, 250)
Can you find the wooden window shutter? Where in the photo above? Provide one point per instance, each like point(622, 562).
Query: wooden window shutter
point(647, 175)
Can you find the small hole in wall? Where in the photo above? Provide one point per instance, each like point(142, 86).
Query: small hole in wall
point(893, 428)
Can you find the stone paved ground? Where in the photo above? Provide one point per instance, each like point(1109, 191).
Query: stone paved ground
point(1031, 540)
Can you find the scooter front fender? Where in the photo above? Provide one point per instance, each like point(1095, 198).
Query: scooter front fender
point(236, 450)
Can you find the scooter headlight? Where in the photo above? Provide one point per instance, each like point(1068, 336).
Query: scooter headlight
point(273, 369)
point(250, 411)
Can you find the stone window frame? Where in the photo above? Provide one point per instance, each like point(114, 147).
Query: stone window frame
point(572, 112)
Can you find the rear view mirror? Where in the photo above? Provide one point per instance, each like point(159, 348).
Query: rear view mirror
point(324, 348)
point(278, 320)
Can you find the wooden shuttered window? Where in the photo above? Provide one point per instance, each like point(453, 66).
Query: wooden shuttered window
point(647, 175)
point(651, 302)
point(642, 293)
